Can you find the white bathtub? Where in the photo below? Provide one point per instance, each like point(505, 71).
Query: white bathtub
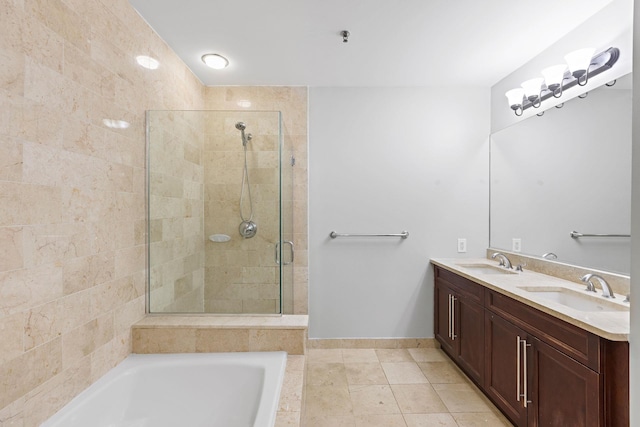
point(181, 390)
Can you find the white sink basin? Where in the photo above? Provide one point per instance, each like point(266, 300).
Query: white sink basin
point(575, 299)
point(485, 269)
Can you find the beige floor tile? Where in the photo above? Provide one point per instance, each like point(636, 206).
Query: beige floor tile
point(462, 398)
point(393, 355)
point(373, 399)
point(501, 417)
point(365, 373)
point(442, 372)
point(320, 355)
point(359, 355)
point(428, 355)
point(351, 387)
point(484, 419)
point(330, 421)
point(390, 420)
point(430, 420)
point(418, 399)
point(327, 400)
point(403, 373)
point(326, 374)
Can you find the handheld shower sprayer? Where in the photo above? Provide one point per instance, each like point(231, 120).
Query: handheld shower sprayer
point(241, 126)
point(247, 227)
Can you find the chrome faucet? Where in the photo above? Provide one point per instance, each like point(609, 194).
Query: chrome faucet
point(504, 261)
point(549, 255)
point(606, 289)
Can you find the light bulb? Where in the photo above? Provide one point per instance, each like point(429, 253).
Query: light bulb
point(553, 78)
point(554, 75)
point(578, 62)
point(532, 87)
point(515, 97)
point(215, 61)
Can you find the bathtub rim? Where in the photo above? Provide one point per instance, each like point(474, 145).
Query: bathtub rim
point(274, 363)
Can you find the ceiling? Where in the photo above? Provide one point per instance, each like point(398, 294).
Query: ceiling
point(392, 42)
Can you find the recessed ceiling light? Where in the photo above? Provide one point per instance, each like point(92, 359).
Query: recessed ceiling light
point(244, 103)
point(148, 62)
point(215, 61)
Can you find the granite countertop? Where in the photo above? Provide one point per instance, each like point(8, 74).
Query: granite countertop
point(612, 325)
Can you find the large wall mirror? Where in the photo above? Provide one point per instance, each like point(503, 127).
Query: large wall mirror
point(567, 170)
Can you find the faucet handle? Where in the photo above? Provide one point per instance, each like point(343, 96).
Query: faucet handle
point(587, 279)
point(627, 298)
point(519, 267)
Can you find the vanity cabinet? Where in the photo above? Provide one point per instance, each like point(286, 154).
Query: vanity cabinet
point(459, 321)
point(537, 369)
point(535, 384)
point(504, 368)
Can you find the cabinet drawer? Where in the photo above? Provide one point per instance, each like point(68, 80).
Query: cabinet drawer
point(579, 344)
point(465, 286)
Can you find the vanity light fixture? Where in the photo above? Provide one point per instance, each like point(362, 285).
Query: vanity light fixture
point(215, 61)
point(147, 62)
point(581, 65)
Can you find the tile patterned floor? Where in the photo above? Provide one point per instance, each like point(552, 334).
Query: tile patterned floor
point(415, 387)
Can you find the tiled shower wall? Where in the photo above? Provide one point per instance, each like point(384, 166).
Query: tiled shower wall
point(241, 275)
point(72, 191)
point(176, 223)
point(292, 102)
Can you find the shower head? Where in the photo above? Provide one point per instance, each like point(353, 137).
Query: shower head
point(241, 126)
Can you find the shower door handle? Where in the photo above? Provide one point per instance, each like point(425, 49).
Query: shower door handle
point(290, 243)
point(287, 242)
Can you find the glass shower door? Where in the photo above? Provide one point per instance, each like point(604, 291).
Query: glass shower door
point(199, 262)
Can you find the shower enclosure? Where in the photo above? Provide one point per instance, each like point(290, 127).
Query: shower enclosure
point(220, 212)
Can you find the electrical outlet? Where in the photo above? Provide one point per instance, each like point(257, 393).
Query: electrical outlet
point(516, 244)
point(462, 245)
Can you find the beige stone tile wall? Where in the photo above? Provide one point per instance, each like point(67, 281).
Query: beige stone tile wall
point(292, 102)
point(72, 192)
point(214, 340)
point(241, 275)
point(176, 211)
point(193, 334)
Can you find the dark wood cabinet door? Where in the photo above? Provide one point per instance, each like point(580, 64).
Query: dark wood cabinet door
point(442, 323)
point(564, 393)
point(470, 335)
point(503, 368)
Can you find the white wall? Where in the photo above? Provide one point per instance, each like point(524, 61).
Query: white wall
point(634, 340)
point(383, 160)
